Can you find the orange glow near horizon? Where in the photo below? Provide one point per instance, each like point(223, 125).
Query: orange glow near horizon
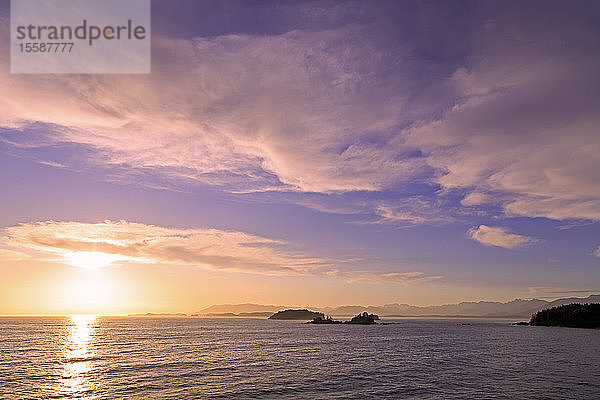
point(44, 287)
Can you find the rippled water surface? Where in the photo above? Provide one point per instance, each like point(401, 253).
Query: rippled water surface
point(175, 358)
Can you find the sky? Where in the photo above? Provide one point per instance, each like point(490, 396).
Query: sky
point(309, 153)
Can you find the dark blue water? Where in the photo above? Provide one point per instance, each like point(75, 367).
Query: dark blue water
point(178, 358)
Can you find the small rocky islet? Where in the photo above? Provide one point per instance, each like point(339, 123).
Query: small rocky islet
point(314, 317)
point(360, 319)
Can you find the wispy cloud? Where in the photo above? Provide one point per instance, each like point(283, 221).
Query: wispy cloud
point(51, 164)
point(558, 290)
point(414, 210)
point(142, 243)
point(499, 237)
point(384, 277)
point(11, 255)
point(129, 242)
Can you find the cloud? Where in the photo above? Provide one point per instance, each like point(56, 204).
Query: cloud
point(475, 199)
point(130, 242)
point(384, 277)
point(557, 290)
point(141, 243)
point(302, 117)
point(524, 132)
point(414, 210)
point(499, 237)
point(11, 255)
point(509, 109)
point(597, 252)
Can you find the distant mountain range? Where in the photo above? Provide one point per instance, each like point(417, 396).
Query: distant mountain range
point(513, 309)
point(239, 309)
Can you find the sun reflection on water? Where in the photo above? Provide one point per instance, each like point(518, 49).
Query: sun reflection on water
point(77, 355)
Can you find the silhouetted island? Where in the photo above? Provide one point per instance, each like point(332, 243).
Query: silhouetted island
point(297, 315)
point(320, 320)
point(570, 315)
point(361, 319)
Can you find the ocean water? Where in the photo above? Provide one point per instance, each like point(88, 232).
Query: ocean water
point(179, 358)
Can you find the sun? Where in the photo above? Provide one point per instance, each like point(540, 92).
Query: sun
point(90, 259)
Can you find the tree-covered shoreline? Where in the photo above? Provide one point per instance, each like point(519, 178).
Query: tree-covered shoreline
point(574, 315)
